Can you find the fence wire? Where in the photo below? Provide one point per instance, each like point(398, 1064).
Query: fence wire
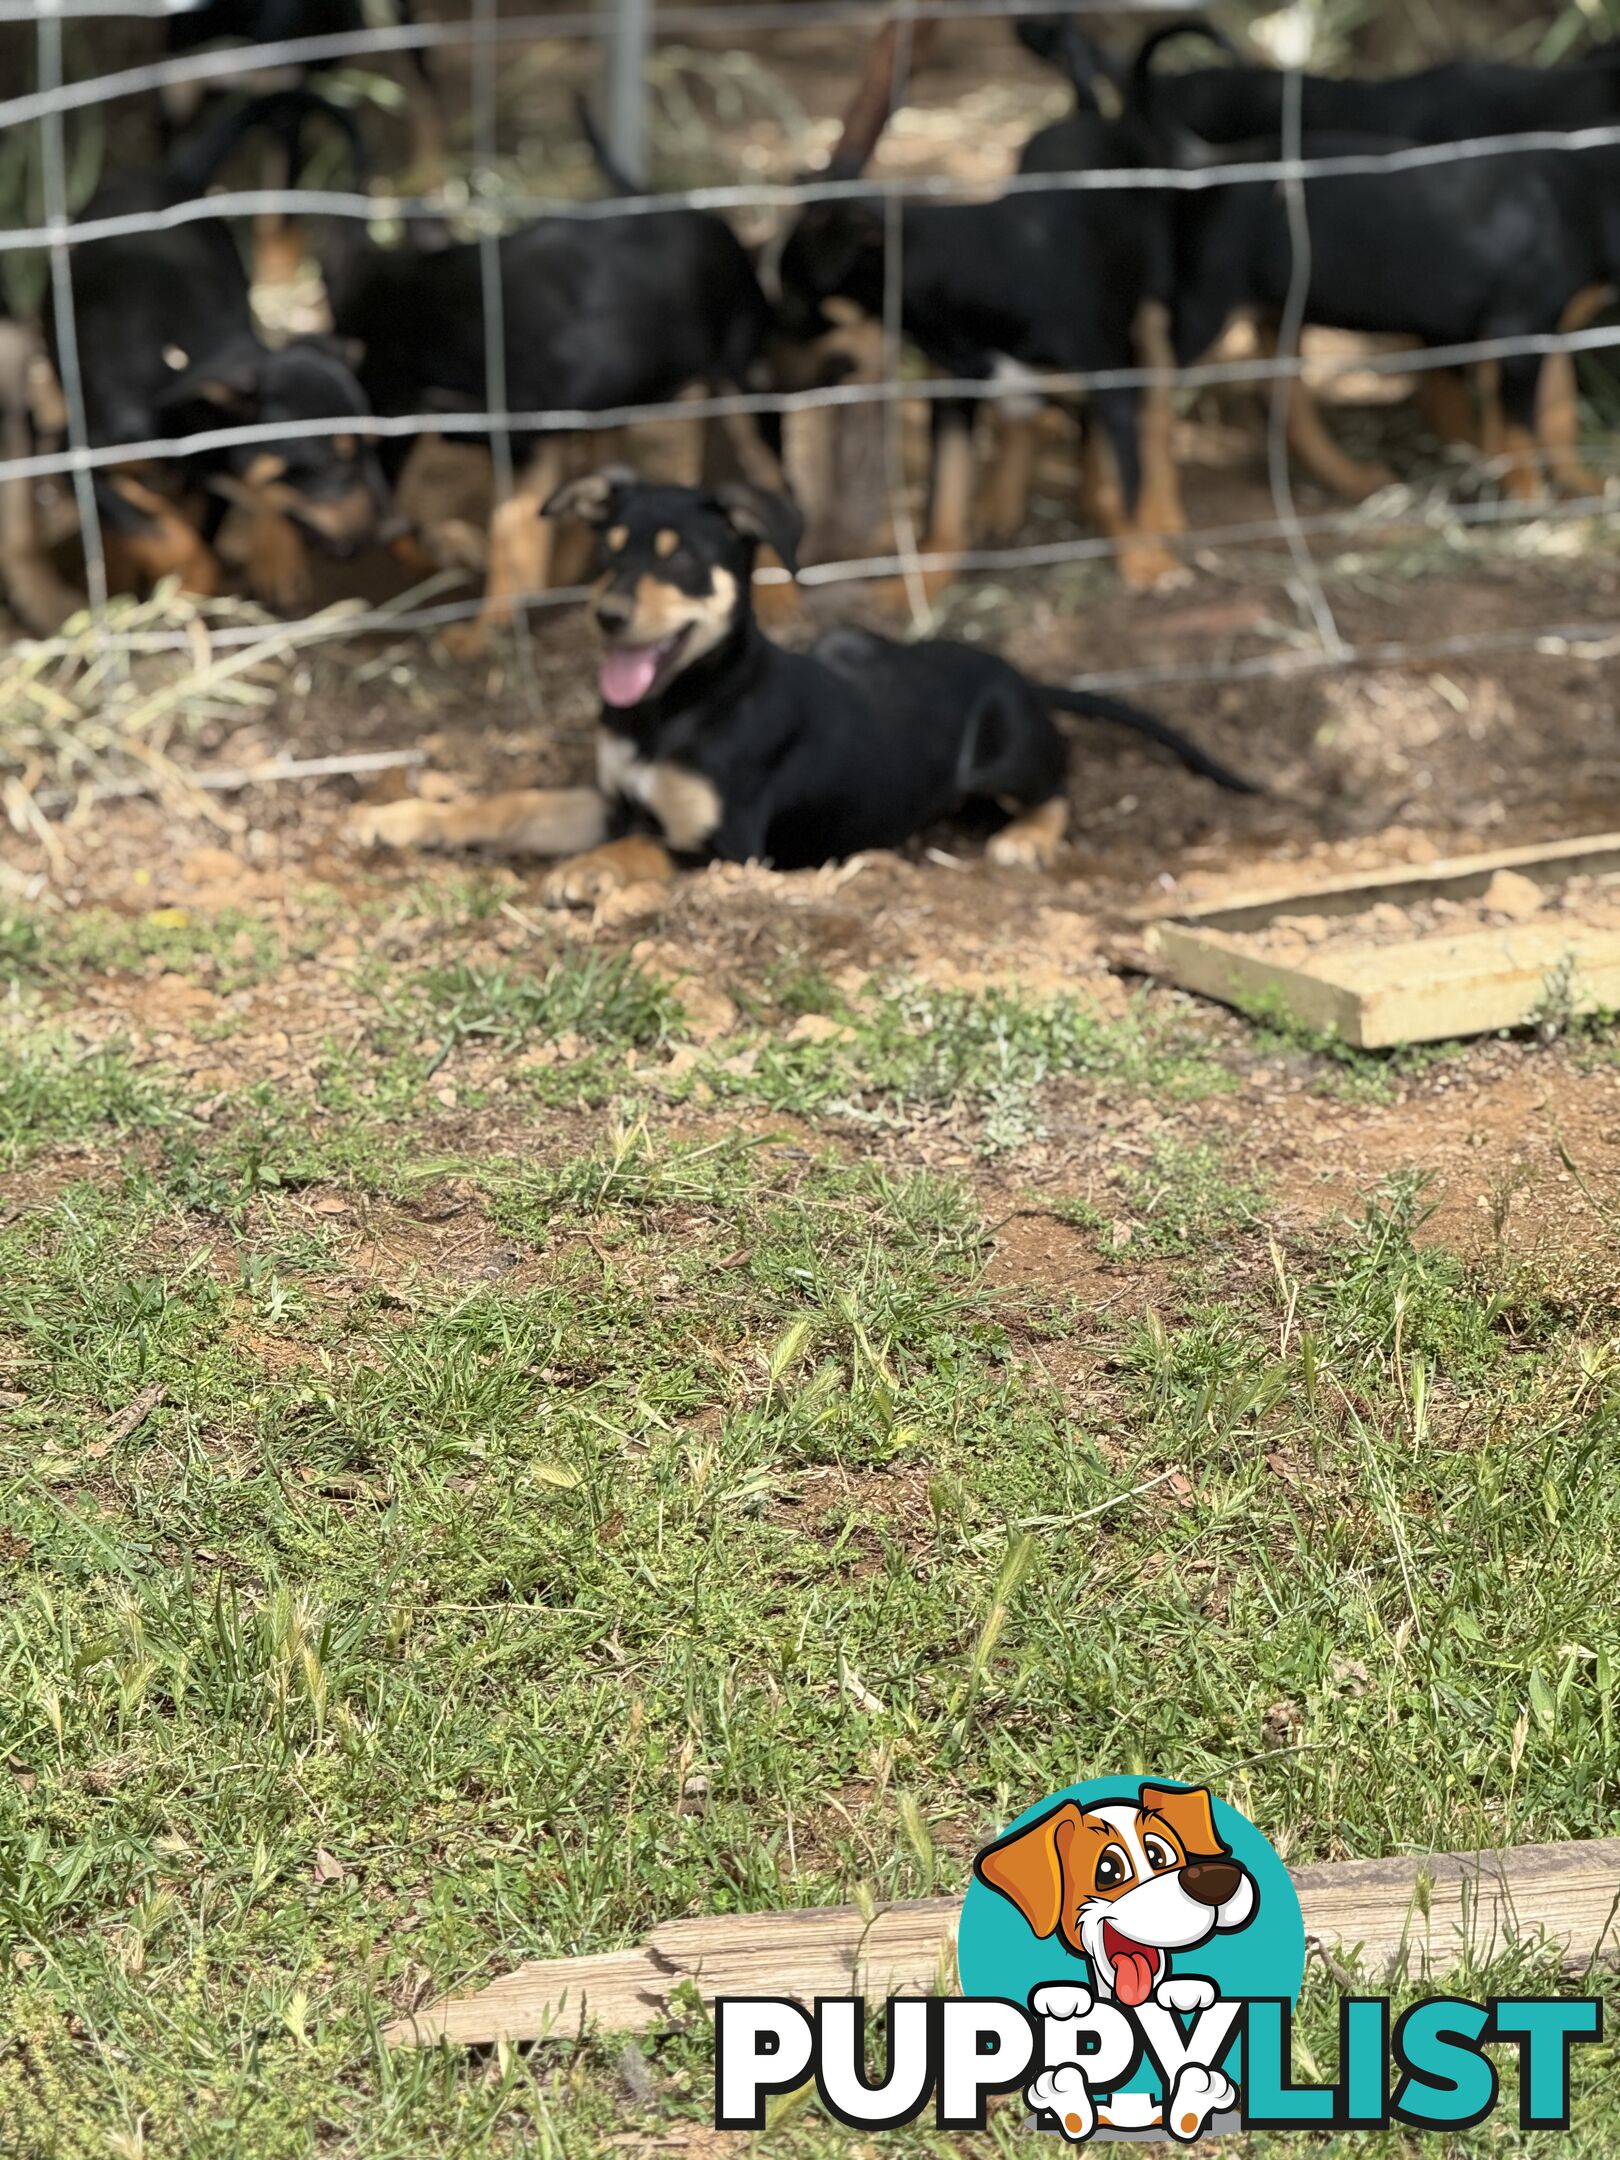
point(485, 31)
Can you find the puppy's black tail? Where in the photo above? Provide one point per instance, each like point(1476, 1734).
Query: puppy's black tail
point(1141, 93)
point(1089, 705)
point(619, 182)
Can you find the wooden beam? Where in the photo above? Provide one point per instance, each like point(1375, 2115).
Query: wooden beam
point(1425, 988)
point(1389, 1916)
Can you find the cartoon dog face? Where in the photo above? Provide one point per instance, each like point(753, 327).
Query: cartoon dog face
point(1124, 1884)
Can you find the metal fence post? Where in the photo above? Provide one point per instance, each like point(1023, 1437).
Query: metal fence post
point(625, 51)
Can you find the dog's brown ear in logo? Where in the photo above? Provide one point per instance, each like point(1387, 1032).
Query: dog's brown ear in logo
point(1189, 1816)
point(1027, 1867)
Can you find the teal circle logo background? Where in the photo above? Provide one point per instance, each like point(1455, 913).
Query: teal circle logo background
point(997, 1954)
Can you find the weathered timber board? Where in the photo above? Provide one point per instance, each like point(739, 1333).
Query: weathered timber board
point(1426, 989)
point(1409, 1913)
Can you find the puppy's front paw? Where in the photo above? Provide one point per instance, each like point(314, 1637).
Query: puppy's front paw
point(1061, 2002)
point(1189, 1992)
point(584, 880)
point(1147, 567)
point(287, 587)
point(403, 824)
point(1033, 841)
point(466, 640)
point(1064, 2095)
point(1197, 2094)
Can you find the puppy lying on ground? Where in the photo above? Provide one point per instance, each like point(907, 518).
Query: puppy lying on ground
point(716, 743)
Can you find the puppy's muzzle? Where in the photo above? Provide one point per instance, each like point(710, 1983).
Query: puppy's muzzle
point(1211, 1882)
point(613, 615)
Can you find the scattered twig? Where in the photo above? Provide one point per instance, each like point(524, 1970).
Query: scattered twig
point(130, 1419)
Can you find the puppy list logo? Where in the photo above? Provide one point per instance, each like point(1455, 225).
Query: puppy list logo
point(1130, 1952)
point(1136, 1919)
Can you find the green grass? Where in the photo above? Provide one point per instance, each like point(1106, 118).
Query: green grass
point(540, 1528)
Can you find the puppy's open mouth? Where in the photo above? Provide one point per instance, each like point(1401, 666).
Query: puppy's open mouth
point(1136, 1965)
point(629, 673)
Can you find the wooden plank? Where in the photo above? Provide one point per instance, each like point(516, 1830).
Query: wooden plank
point(1423, 989)
point(1436, 988)
point(1417, 1913)
point(1459, 877)
point(1216, 970)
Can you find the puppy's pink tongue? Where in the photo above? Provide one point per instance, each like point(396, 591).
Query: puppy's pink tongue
point(1133, 1975)
point(626, 673)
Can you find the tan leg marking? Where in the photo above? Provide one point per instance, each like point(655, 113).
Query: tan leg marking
point(572, 552)
point(635, 860)
point(950, 520)
point(41, 599)
point(1006, 498)
point(524, 821)
point(278, 570)
point(1492, 425)
point(1033, 841)
point(1311, 443)
point(1446, 407)
point(168, 548)
point(1145, 563)
point(1161, 508)
point(520, 545)
point(1521, 475)
point(1558, 404)
point(1316, 450)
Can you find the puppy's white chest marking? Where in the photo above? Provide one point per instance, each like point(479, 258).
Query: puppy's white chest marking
point(687, 807)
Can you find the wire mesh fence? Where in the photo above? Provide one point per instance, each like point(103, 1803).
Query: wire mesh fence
point(484, 34)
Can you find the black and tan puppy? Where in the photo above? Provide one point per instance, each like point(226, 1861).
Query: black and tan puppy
point(716, 743)
point(168, 348)
point(1504, 247)
point(1029, 285)
point(1242, 102)
point(1514, 244)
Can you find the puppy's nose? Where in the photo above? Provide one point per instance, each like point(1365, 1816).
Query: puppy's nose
point(612, 614)
point(1211, 1882)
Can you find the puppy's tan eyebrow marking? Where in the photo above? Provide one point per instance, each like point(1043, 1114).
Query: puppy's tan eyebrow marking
point(667, 542)
point(345, 445)
point(617, 537)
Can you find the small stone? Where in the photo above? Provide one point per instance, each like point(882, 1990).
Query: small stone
point(818, 1028)
point(209, 865)
point(1516, 897)
point(1309, 929)
point(709, 1013)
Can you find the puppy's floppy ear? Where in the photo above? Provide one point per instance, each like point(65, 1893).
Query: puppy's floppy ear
point(1189, 1815)
point(593, 498)
point(759, 514)
point(1027, 1867)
